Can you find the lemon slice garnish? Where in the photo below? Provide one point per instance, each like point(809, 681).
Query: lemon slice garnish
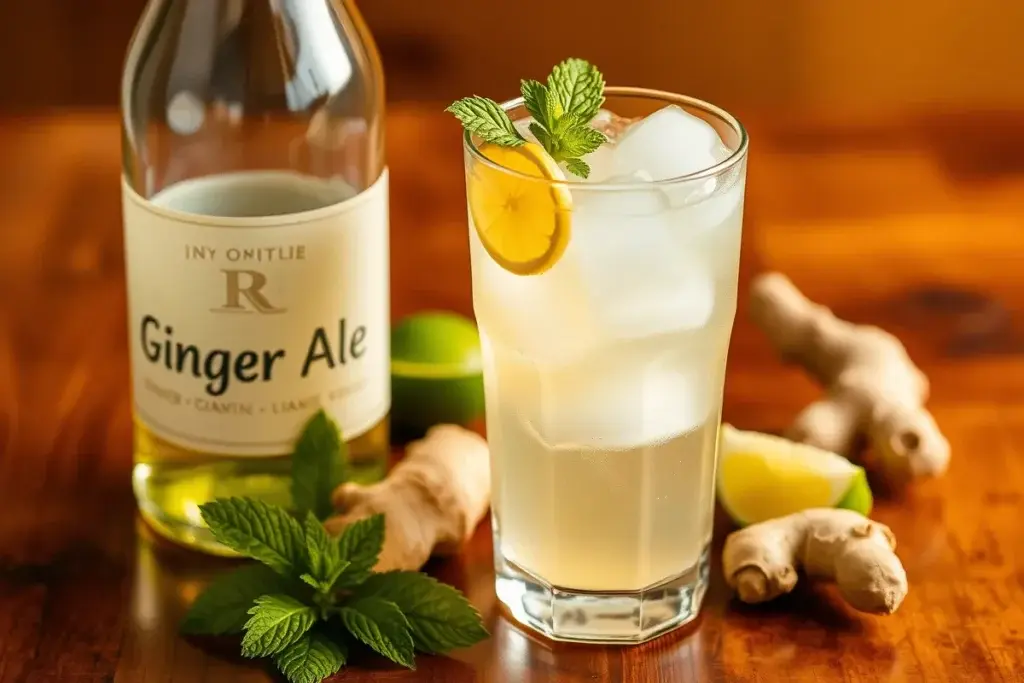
point(523, 223)
point(761, 477)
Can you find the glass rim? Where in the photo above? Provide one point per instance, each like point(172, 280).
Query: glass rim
point(734, 158)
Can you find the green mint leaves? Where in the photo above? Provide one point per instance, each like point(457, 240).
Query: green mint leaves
point(318, 466)
point(277, 622)
point(381, 625)
point(578, 87)
point(312, 596)
point(562, 110)
point(223, 608)
point(440, 617)
point(311, 658)
point(487, 119)
point(258, 530)
point(360, 544)
point(323, 557)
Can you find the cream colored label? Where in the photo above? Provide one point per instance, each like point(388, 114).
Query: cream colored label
point(241, 328)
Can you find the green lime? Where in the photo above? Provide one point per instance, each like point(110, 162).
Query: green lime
point(761, 476)
point(436, 374)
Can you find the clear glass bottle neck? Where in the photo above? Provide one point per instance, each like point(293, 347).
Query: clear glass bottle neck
point(215, 86)
point(226, 45)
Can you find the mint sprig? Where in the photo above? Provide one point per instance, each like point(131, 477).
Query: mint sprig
point(312, 595)
point(562, 110)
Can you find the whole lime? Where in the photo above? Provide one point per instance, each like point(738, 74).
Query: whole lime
point(436, 372)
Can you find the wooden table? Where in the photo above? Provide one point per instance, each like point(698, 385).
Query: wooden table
point(916, 224)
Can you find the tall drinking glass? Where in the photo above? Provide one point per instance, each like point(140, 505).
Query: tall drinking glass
point(603, 373)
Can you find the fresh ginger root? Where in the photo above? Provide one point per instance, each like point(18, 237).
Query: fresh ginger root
point(761, 561)
point(873, 388)
point(431, 501)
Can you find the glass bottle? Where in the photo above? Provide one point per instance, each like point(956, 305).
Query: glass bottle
point(256, 246)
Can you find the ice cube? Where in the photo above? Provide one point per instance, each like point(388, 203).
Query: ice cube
point(622, 397)
point(712, 220)
point(637, 278)
point(544, 317)
point(611, 124)
point(601, 162)
point(669, 143)
point(639, 200)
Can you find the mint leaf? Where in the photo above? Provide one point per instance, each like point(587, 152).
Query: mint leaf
point(380, 625)
point(554, 111)
point(277, 622)
point(323, 556)
point(578, 167)
point(258, 530)
point(487, 119)
point(313, 582)
point(320, 550)
point(318, 464)
point(311, 658)
point(543, 137)
point(565, 123)
point(223, 608)
point(535, 98)
point(440, 617)
point(359, 544)
point(581, 140)
point(578, 87)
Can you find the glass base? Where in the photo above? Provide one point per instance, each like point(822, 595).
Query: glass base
point(624, 617)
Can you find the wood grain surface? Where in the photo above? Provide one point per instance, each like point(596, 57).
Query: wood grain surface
point(914, 224)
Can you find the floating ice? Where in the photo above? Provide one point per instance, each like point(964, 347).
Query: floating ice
point(638, 200)
point(543, 317)
point(667, 144)
point(620, 398)
point(636, 276)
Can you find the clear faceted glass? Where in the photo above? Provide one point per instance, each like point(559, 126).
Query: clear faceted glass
point(603, 378)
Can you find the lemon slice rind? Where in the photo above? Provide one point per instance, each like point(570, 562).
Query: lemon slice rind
point(523, 223)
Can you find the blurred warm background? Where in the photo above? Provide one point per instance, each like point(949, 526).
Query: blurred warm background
point(869, 57)
point(888, 135)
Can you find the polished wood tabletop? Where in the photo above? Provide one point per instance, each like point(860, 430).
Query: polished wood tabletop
point(915, 224)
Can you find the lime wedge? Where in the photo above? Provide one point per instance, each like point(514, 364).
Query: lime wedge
point(435, 372)
point(761, 477)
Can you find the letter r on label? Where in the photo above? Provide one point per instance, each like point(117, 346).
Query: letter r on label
point(247, 285)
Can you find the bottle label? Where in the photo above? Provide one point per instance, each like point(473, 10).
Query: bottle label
point(242, 327)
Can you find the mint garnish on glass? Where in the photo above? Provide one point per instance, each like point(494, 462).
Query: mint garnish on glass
point(313, 597)
point(562, 110)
